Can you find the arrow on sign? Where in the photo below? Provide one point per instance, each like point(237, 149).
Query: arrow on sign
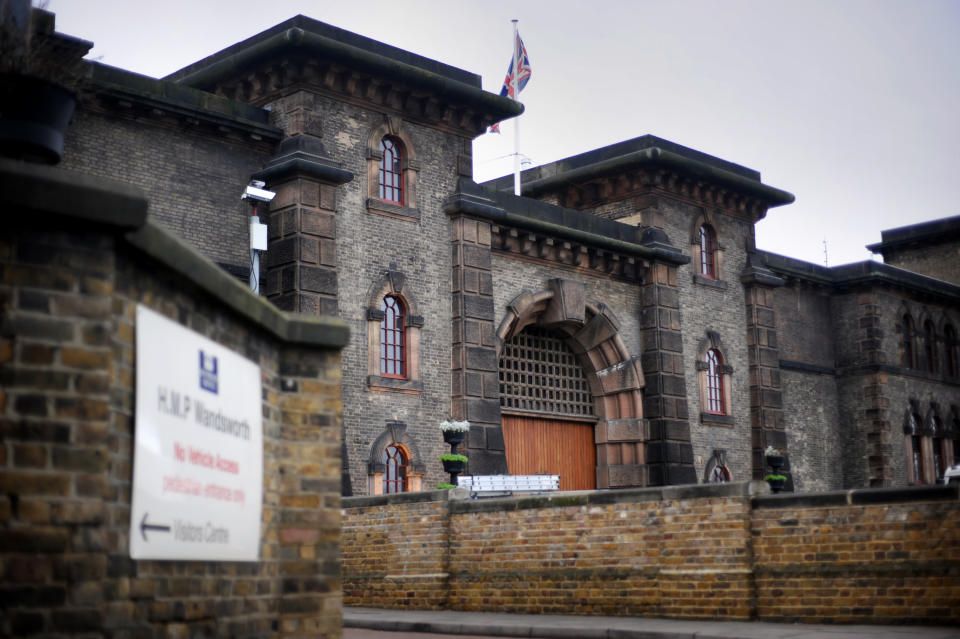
point(144, 527)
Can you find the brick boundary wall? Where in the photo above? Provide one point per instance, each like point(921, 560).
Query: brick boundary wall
point(76, 258)
point(730, 552)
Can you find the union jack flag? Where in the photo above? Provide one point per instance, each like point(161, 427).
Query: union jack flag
point(523, 75)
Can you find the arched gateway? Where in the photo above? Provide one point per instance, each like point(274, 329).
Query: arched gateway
point(570, 392)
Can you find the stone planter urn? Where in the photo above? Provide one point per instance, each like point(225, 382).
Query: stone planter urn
point(454, 433)
point(776, 485)
point(776, 462)
point(454, 467)
point(454, 438)
point(34, 115)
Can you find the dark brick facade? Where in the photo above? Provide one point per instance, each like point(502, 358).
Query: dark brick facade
point(811, 356)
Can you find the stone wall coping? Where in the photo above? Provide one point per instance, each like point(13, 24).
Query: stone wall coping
point(757, 491)
point(452, 494)
point(859, 497)
point(460, 502)
point(67, 196)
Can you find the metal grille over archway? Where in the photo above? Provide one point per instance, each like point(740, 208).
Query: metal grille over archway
point(539, 373)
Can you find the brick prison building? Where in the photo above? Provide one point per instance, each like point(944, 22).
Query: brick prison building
point(615, 325)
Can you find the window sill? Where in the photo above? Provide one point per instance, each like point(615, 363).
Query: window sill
point(711, 419)
point(709, 282)
point(406, 213)
point(410, 386)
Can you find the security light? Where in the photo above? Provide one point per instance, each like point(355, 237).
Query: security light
point(255, 191)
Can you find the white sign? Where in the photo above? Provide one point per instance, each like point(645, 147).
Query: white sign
point(198, 450)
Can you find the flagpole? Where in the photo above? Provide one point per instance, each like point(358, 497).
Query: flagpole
point(515, 81)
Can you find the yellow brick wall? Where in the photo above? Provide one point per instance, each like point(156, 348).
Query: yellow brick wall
point(692, 552)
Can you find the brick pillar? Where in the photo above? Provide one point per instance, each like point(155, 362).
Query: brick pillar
point(304, 530)
point(766, 398)
point(669, 452)
point(475, 384)
point(299, 267)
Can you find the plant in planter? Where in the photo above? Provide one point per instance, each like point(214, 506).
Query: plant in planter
point(445, 486)
point(454, 432)
point(777, 482)
point(453, 463)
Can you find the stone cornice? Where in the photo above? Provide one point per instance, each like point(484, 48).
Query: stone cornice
point(304, 53)
point(133, 95)
point(595, 261)
point(859, 275)
point(303, 155)
point(538, 231)
point(649, 165)
point(932, 233)
point(672, 184)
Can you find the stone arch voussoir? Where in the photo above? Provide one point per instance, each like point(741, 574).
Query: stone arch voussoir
point(616, 377)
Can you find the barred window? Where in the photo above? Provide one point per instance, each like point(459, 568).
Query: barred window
point(395, 473)
point(950, 350)
point(539, 373)
point(939, 459)
point(391, 171)
point(917, 459)
point(909, 360)
point(392, 339)
point(930, 345)
point(715, 402)
point(708, 245)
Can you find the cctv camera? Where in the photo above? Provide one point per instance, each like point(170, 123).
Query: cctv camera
point(258, 194)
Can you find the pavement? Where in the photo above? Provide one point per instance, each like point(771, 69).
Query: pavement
point(499, 624)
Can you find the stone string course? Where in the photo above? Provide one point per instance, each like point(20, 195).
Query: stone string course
point(694, 552)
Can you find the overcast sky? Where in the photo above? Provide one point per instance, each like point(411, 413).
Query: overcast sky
point(851, 105)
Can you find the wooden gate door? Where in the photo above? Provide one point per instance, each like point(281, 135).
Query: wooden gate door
point(538, 445)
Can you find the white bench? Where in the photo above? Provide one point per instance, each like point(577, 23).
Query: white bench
point(495, 485)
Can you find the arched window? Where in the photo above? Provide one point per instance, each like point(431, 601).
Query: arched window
point(395, 471)
point(715, 379)
point(717, 471)
point(708, 246)
point(394, 464)
point(391, 171)
point(914, 435)
point(930, 346)
point(715, 400)
point(909, 359)
point(950, 350)
point(917, 453)
point(393, 347)
point(939, 451)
